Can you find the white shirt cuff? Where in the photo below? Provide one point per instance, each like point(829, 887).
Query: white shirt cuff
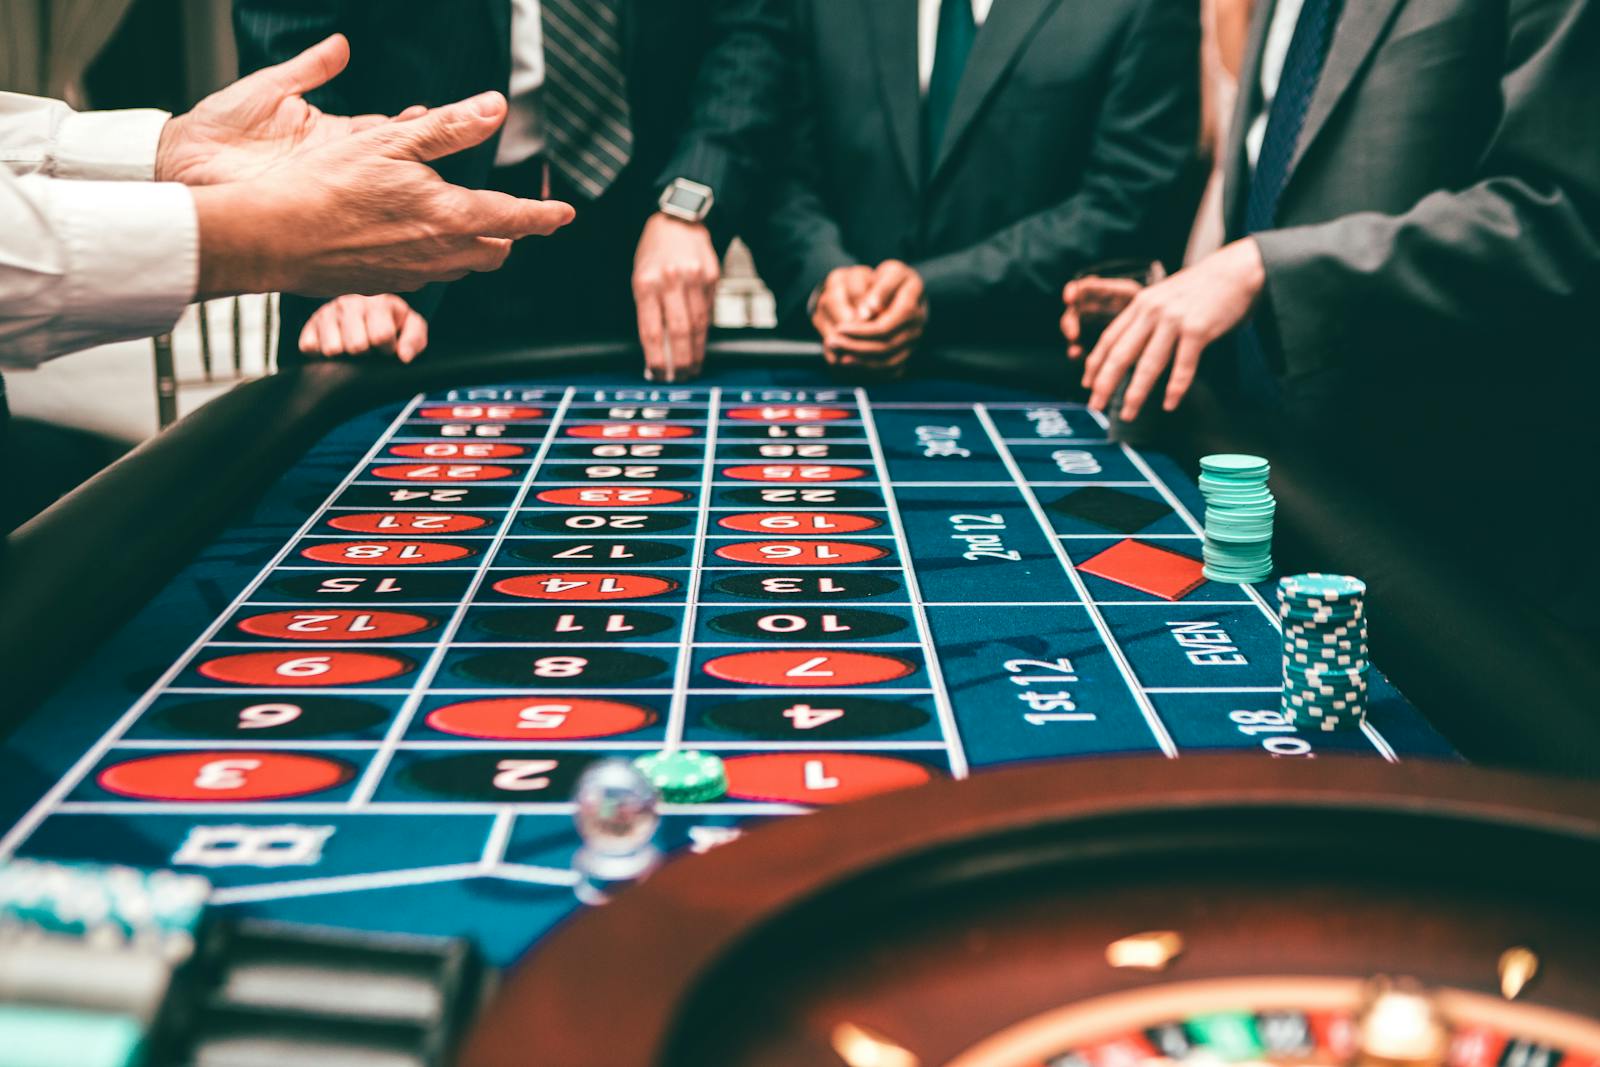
point(133, 258)
point(109, 145)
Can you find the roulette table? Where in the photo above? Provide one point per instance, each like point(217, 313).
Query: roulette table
point(344, 641)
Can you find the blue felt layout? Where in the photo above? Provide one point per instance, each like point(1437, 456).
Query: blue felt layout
point(855, 594)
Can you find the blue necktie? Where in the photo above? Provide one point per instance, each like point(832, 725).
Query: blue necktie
point(1302, 70)
point(957, 29)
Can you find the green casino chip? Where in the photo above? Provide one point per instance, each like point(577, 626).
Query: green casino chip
point(106, 903)
point(1237, 546)
point(685, 776)
point(1322, 616)
point(1240, 536)
point(1233, 464)
point(1327, 724)
point(1325, 664)
point(1313, 588)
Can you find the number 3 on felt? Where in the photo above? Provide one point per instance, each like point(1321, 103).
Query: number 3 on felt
point(225, 774)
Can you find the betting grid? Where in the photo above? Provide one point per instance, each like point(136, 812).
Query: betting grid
point(231, 651)
point(533, 486)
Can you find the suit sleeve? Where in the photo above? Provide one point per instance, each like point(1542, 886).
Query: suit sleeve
point(1522, 241)
point(735, 107)
point(271, 31)
point(1141, 163)
point(792, 235)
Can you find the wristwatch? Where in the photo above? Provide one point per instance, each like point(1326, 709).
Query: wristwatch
point(687, 200)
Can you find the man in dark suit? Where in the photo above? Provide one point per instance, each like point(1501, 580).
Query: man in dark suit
point(1414, 197)
point(958, 160)
point(646, 116)
point(1413, 186)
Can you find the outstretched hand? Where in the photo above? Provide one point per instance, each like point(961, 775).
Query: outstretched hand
point(239, 132)
point(1173, 322)
point(365, 214)
point(1096, 299)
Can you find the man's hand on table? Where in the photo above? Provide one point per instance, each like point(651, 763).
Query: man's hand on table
point(1094, 299)
point(251, 126)
point(354, 325)
point(871, 319)
point(366, 214)
point(675, 275)
point(1173, 322)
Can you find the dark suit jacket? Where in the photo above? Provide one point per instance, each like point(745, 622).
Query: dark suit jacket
point(1433, 283)
point(1445, 195)
point(1071, 141)
point(703, 78)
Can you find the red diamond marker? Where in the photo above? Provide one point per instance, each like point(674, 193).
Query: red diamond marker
point(1158, 571)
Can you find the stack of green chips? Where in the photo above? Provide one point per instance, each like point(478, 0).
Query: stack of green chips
point(90, 957)
point(683, 776)
point(1324, 651)
point(106, 905)
point(1239, 512)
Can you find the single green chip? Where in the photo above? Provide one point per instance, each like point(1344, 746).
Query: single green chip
point(685, 776)
point(1234, 463)
point(105, 902)
point(1323, 587)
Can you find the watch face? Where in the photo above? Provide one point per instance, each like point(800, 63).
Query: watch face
point(684, 199)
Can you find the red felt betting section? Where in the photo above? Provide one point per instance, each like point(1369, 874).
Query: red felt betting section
point(1158, 571)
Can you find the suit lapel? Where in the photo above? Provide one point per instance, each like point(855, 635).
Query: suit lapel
point(1236, 164)
point(893, 26)
point(1359, 30)
point(1007, 29)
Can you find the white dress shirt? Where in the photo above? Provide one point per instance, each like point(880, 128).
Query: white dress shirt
point(522, 136)
point(1273, 54)
point(92, 250)
point(928, 34)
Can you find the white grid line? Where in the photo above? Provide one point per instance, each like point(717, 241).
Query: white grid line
point(328, 646)
point(489, 691)
point(1158, 728)
point(681, 691)
point(379, 763)
point(509, 745)
point(404, 807)
point(85, 763)
point(1378, 741)
point(941, 695)
point(678, 710)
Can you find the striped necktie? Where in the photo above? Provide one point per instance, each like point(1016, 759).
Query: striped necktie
point(587, 123)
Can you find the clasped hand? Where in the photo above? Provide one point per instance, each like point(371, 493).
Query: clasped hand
point(871, 319)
